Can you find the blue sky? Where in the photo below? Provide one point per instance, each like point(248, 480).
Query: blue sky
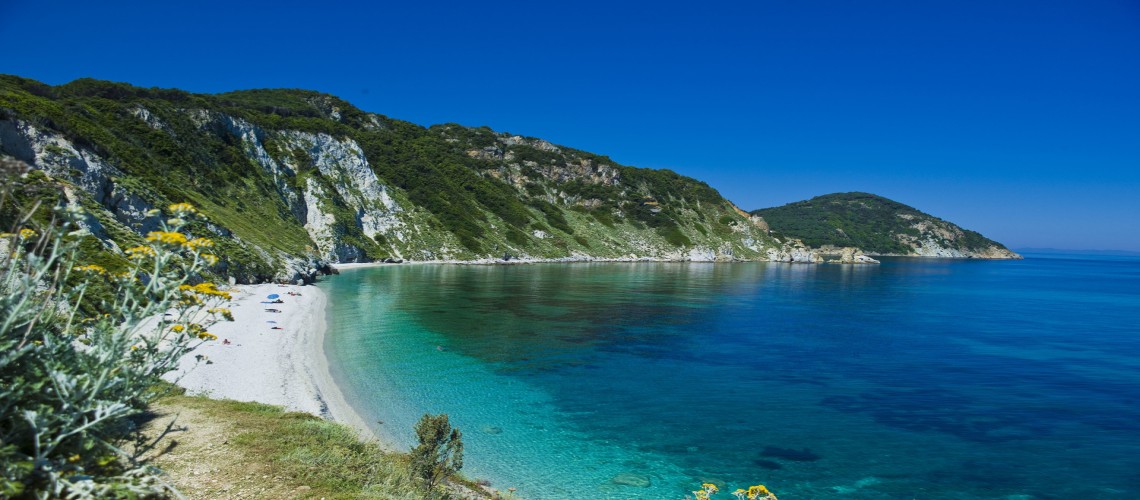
point(1017, 119)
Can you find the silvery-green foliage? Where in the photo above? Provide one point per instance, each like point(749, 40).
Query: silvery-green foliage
point(69, 380)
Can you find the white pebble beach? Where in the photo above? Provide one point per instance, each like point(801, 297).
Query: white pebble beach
point(285, 367)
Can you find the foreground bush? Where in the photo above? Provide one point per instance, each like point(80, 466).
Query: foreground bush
point(70, 380)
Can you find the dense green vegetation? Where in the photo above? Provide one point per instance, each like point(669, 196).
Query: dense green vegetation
point(471, 191)
point(872, 223)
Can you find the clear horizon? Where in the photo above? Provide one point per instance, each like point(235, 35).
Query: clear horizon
point(1019, 120)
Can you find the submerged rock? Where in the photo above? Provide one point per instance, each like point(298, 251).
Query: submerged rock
point(632, 479)
point(792, 454)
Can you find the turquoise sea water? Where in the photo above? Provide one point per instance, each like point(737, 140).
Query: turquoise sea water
point(910, 379)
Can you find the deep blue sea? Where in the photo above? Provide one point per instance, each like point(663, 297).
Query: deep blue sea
point(915, 378)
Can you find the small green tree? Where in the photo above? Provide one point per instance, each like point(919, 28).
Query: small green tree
point(440, 452)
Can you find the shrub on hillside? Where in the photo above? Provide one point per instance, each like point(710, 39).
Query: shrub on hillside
point(439, 454)
point(70, 379)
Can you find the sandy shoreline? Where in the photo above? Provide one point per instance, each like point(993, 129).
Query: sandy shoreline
point(285, 367)
point(534, 260)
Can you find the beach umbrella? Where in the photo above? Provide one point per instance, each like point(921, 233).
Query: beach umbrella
point(273, 296)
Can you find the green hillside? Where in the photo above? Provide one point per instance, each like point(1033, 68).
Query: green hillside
point(876, 225)
point(288, 175)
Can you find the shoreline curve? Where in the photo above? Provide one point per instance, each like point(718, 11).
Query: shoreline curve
point(276, 358)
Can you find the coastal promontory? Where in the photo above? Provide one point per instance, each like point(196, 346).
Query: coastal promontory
point(877, 226)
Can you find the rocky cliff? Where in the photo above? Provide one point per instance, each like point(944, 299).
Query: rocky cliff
point(293, 180)
point(876, 226)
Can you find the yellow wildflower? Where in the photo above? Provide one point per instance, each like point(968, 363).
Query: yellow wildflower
point(177, 328)
point(140, 252)
point(74, 458)
point(207, 336)
point(168, 237)
point(200, 243)
point(91, 268)
point(27, 234)
point(182, 209)
point(754, 492)
point(210, 258)
point(210, 289)
point(193, 295)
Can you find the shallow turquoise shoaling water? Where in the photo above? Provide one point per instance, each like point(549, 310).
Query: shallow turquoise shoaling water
point(910, 379)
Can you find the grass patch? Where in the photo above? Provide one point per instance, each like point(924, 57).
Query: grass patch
point(270, 452)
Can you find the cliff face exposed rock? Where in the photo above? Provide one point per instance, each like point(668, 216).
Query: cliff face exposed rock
point(294, 180)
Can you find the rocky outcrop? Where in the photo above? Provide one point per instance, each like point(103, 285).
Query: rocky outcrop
point(794, 251)
point(845, 255)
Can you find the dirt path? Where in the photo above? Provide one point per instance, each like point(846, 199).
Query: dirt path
point(200, 461)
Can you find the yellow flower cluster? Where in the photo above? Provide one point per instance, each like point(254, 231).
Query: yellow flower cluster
point(195, 330)
point(707, 490)
point(27, 234)
point(755, 491)
point(168, 237)
point(140, 252)
point(199, 243)
point(210, 258)
point(176, 238)
point(760, 492)
point(182, 209)
point(91, 268)
point(206, 289)
point(201, 333)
